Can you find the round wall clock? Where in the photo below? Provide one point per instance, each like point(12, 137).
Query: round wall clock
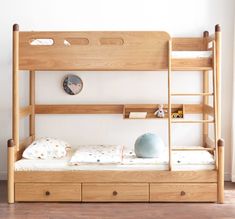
point(72, 84)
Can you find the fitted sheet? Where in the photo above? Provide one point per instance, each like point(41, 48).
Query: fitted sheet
point(182, 160)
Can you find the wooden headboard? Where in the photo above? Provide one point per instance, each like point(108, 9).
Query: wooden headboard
point(94, 51)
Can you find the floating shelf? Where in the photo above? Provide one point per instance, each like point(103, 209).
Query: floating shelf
point(150, 109)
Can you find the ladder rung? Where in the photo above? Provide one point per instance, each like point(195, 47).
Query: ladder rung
point(191, 121)
point(192, 148)
point(192, 94)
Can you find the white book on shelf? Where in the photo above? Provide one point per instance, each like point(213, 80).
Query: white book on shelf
point(138, 115)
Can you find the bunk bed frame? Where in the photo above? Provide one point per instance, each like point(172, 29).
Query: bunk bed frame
point(117, 51)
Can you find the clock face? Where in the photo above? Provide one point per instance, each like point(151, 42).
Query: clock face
point(72, 84)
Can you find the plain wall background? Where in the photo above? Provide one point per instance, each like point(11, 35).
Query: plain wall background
point(179, 18)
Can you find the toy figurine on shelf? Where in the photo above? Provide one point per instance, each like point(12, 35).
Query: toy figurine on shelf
point(178, 114)
point(160, 112)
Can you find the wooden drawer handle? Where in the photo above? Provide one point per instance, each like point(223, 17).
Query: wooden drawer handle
point(47, 193)
point(182, 193)
point(115, 193)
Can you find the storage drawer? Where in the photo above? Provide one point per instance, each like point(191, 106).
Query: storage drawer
point(48, 192)
point(183, 192)
point(115, 192)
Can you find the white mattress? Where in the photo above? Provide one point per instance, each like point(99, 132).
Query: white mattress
point(191, 54)
point(182, 160)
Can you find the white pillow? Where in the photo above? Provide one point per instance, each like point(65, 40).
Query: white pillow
point(46, 148)
point(97, 154)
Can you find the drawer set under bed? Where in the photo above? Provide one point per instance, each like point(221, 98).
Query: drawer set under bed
point(116, 192)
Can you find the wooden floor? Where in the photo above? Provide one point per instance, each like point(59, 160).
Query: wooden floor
point(115, 210)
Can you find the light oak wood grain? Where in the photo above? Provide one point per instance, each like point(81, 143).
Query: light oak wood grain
point(116, 176)
point(115, 192)
point(188, 44)
point(26, 111)
point(182, 192)
point(48, 192)
point(139, 51)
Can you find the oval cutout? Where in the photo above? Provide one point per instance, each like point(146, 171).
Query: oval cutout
point(41, 42)
point(76, 41)
point(111, 41)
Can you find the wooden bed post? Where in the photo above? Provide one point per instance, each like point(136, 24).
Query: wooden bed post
point(205, 90)
point(169, 102)
point(220, 185)
point(16, 107)
point(220, 141)
point(32, 103)
point(13, 145)
point(10, 172)
point(218, 76)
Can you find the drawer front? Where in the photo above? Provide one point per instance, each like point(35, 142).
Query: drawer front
point(48, 192)
point(183, 192)
point(115, 192)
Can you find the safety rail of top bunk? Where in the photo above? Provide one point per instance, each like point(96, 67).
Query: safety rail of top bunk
point(107, 51)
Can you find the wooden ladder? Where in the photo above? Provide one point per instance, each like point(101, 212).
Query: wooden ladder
point(203, 121)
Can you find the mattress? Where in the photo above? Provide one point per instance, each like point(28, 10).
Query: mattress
point(182, 160)
point(191, 54)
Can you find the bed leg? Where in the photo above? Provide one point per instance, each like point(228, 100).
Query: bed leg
point(11, 161)
point(220, 180)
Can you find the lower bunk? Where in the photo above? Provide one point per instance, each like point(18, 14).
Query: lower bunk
point(195, 177)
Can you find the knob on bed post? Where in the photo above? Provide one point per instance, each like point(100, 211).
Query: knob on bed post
point(217, 28)
point(205, 33)
point(16, 27)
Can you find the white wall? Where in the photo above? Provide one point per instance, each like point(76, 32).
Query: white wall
point(179, 18)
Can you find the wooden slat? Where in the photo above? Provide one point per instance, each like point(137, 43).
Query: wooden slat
point(193, 108)
point(139, 51)
point(210, 143)
point(192, 94)
point(209, 110)
point(191, 121)
point(116, 176)
point(23, 144)
point(111, 108)
point(192, 148)
point(32, 103)
point(26, 111)
point(205, 89)
point(196, 64)
point(79, 109)
point(187, 44)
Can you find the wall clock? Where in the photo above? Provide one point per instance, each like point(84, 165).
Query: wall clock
point(72, 84)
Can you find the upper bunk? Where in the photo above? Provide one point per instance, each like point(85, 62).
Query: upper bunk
point(111, 51)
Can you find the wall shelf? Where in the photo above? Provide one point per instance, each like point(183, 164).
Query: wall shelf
point(150, 109)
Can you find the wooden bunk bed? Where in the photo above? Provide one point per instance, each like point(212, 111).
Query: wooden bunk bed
point(117, 51)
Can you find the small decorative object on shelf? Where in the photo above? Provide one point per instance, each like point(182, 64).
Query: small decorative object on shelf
point(178, 114)
point(160, 112)
point(137, 115)
point(72, 84)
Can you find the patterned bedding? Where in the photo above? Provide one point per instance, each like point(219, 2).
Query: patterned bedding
point(182, 160)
